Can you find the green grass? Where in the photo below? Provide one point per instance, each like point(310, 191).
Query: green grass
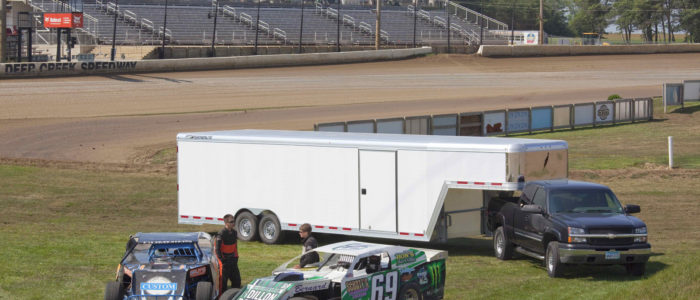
point(63, 230)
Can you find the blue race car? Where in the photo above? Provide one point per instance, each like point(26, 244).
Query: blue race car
point(166, 265)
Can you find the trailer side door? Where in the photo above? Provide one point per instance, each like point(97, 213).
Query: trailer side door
point(378, 190)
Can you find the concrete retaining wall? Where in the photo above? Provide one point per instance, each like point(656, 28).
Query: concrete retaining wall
point(15, 70)
point(556, 50)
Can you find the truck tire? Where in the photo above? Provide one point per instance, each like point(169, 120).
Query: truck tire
point(410, 291)
point(551, 260)
point(636, 269)
point(270, 229)
point(502, 248)
point(203, 290)
point(114, 291)
point(229, 294)
point(247, 226)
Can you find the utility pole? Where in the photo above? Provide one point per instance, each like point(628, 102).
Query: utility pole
point(3, 34)
point(301, 27)
point(540, 40)
point(257, 28)
point(377, 30)
point(165, 21)
point(114, 30)
point(415, 20)
point(512, 23)
point(449, 25)
point(213, 37)
point(481, 23)
point(338, 26)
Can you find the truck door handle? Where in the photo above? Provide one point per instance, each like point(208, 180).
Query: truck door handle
point(364, 191)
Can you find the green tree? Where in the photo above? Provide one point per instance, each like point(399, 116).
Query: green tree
point(589, 16)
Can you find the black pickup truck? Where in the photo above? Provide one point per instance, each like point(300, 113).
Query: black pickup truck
point(569, 222)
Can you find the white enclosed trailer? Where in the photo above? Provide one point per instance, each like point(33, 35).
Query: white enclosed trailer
point(408, 187)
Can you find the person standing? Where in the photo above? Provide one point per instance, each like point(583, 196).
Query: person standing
point(309, 243)
point(227, 254)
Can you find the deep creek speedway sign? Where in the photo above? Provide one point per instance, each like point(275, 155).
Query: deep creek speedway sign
point(65, 68)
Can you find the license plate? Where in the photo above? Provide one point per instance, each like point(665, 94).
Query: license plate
point(612, 254)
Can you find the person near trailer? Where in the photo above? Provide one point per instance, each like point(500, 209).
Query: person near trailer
point(309, 244)
point(227, 254)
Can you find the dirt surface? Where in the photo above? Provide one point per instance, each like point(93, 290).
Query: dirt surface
point(122, 119)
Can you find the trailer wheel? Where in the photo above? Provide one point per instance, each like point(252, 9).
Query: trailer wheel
point(270, 230)
point(247, 226)
point(502, 248)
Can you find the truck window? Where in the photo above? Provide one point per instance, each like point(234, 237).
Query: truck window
point(583, 201)
point(540, 198)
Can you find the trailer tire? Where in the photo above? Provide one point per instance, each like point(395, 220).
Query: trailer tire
point(502, 248)
point(247, 226)
point(270, 229)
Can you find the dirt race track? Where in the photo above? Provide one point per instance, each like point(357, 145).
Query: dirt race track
point(124, 118)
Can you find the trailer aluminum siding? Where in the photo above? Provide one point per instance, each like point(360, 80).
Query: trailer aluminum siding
point(378, 185)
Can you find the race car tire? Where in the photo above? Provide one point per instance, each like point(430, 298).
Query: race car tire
point(114, 291)
point(247, 226)
point(270, 229)
point(229, 294)
point(203, 290)
point(410, 291)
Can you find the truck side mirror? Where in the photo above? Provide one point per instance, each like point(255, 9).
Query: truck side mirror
point(532, 208)
point(632, 209)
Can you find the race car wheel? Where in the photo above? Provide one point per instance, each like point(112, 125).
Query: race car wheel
point(229, 294)
point(502, 248)
point(204, 290)
point(410, 292)
point(270, 230)
point(114, 291)
point(247, 226)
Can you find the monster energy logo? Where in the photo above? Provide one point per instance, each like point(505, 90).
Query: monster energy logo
point(435, 270)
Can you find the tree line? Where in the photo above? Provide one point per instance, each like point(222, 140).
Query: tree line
point(657, 20)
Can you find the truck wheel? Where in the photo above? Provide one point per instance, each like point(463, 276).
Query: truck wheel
point(636, 269)
point(502, 248)
point(410, 292)
point(114, 291)
point(203, 290)
point(551, 260)
point(270, 230)
point(229, 294)
point(247, 226)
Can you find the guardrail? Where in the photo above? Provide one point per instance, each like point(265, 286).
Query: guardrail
point(230, 11)
point(246, 18)
point(507, 121)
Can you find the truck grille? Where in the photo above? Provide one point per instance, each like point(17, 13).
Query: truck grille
point(611, 242)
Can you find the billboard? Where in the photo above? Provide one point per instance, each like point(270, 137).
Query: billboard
point(518, 120)
point(541, 118)
point(63, 20)
point(604, 112)
point(494, 122)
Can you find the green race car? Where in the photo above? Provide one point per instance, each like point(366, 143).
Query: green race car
point(354, 270)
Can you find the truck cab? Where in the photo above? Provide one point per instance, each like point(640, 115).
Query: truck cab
point(569, 222)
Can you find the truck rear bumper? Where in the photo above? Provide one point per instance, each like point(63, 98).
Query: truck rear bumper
point(593, 256)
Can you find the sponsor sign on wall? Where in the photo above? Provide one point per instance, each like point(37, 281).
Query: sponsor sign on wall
point(390, 126)
point(642, 108)
point(623, 110)
point(691, 90)
point(494, 122)
point(673, 93)
point(417, 125)
point(562, 116)
point(63, 20)
point(604, 112)
point(361, 126)
point(583, 114)
point(541, 118)
point(445, 125)
point(518, 120)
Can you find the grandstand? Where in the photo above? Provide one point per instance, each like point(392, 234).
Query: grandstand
point(191, 22)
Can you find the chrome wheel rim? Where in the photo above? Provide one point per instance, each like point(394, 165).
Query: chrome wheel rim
point(550, 262)
point(245, 227)
point(500, 243)
point(269, 230)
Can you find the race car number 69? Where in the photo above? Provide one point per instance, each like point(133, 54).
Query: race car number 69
point(378, 290)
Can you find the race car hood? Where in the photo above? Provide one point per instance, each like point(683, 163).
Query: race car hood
point(268, 288)
point(153, 282)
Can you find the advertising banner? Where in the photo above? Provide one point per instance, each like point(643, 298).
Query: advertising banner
point(361, 126)
point(445, 125)
point(583, 114)
point(604, 112)
point(673, 94)
point(562, 116)
point(541, 118)
point(470, 124)
point(518, 120)
point(623, 110)
point(417, 125)
point(394, 125)
point(691, 90)
point(642, 109)
point(494, 122)
point(63, 20)
point(331, 127)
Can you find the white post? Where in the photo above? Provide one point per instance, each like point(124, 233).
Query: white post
point(670, 152)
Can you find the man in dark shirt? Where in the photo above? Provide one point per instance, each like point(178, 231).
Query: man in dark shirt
point(227, 253)
point(309, 244)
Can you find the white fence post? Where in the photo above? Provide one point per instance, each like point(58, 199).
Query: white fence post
point(670, 152)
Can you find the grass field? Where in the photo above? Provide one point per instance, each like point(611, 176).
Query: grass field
point(64, 226)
